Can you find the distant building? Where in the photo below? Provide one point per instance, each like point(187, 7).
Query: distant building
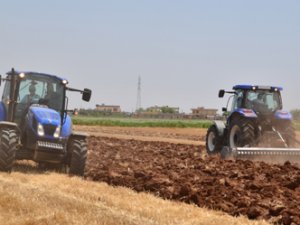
point(201, 112)
point(162, 109)
point(108, 108)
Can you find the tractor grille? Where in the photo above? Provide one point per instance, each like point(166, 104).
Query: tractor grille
point(50, 145)
point(49, 129)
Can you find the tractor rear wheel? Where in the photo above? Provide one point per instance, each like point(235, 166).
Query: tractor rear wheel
point(8, 148)
point(78, 155)
point(214, 142)
point(241, 133)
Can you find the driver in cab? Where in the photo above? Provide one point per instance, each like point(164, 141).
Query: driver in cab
point(32, 97)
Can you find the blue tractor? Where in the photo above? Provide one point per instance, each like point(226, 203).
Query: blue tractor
point(35, 125)
point(256, 127)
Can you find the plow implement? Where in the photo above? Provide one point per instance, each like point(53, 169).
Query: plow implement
point(262, 154)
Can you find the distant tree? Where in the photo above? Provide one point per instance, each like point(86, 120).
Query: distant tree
point(140, 110)
point(296, 114)
point(167, 109)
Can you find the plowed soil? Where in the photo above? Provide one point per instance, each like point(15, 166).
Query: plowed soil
point(183, 172)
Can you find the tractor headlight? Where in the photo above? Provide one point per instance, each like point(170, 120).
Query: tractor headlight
point(22, 75)
point(64, 82)
point(40, 130)
point(57, 132)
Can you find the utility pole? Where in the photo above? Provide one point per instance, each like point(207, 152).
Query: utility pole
point(139, 98)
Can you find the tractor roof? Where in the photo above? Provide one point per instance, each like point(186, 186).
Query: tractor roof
point(34, 73)
point(256, 87)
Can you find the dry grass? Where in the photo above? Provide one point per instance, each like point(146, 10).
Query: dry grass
point(31, 198)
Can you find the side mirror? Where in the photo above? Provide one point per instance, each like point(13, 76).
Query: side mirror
point(86, 95)
point(221, 93)
point(224, 109)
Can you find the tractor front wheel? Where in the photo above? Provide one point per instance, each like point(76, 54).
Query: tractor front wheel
point(78, 154)
point(8, 148)
point(213, 141)
point(241, 133)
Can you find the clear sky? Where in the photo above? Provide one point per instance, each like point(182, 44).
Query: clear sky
point(184, 51)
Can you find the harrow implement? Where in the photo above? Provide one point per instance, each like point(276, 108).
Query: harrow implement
point(262, 154)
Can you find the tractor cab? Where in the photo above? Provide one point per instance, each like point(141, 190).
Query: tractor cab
point(36, 89)
point(263, 100)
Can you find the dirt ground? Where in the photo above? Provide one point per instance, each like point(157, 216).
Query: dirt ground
point(194, 136)
point(183, 172)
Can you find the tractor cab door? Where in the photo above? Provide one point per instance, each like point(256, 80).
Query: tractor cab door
point(5, 101)
point(235, 101)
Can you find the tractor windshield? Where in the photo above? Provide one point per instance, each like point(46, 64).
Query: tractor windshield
point(40, 89)
point(263, 101)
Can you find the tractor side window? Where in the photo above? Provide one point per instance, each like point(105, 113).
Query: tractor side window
point(54, 95)
point(238, 100)
point(6, 92)
point(272, 100)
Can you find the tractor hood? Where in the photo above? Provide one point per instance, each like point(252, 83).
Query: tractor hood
point(45, 115)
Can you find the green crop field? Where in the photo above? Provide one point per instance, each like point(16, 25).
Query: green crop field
point(133, 122)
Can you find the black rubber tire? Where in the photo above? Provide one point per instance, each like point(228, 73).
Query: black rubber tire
point(78, 151)
point(213, 142)
point(241, 133)
point(8, 148)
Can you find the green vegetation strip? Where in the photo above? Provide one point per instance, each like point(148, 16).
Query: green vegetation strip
point(132, 122)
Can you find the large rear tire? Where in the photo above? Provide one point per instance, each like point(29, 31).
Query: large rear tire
point(241, 133)
point(78, 155)
point(8, 148)
point(214, 142)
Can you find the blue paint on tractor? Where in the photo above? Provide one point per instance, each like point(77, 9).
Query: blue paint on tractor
point(2, 112)
point(283, 115)
point(67, 127)
point(45, 115)
point(256, 87)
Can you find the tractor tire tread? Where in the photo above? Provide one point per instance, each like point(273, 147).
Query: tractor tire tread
point(8, 147)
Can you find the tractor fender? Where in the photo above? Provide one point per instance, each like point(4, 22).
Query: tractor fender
point(78, 135)
point(283, 115)
point(220, 126)
point(66, 129)
point(10, 125)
